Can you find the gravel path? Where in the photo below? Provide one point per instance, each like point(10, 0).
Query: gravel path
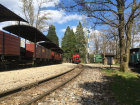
point(90, 88)
point(102, 66)
point(12, 79)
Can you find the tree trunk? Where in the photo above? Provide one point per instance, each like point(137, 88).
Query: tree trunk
point(125, 49)
point(122, 50)
point(116, 50)
point(121, 34)
point(128, 41)
point(128, 44)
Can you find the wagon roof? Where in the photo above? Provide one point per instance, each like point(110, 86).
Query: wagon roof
point(8, 15)
point(134, 49)
point(53, 46)
point(27, 32)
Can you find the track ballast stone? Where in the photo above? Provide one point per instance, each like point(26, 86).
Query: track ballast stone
point(89, 88)
point(13, 79)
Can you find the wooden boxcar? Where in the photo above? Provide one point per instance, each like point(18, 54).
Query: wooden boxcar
point(11, 44)
point(30, 51)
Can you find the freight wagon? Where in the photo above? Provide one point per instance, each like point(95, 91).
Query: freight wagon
point(10, 51)
point(12, 54)
point(134, 59)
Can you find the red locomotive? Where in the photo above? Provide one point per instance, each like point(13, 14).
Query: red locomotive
point(76, 58)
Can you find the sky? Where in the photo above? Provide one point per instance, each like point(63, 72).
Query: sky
point(59, 18)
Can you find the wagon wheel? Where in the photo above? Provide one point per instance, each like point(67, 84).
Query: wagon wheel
point(13, 64)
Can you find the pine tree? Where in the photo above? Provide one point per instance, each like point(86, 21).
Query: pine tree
point(52, 35)
point(68, 43)
point(80, 40)
point(73, 42)
point(64, 43)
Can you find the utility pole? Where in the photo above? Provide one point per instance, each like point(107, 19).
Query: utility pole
point(88, 47)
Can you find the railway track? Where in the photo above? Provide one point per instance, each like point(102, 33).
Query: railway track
point(31, 93)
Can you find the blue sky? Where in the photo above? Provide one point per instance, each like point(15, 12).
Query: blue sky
point(59, 18)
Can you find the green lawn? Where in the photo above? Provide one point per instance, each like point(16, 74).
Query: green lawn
point(125, 86)
point(117, 64)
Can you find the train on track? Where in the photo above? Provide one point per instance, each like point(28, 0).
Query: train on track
point(134, 59)
point(76, 58)
point(40, 50)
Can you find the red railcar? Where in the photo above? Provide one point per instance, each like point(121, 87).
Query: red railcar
point(52, 55)
point(11, 44)
point(76, 58)
point(49, 54)
point(43, 52)
point(30, 51)
point(60, 57)
point(56, 56)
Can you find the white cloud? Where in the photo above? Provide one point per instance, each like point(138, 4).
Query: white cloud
point(13, 5)
point(60, 16)
point(69, 18)
point(56, 16)
point(63, 30)
point(50, 3)
point(74, 28)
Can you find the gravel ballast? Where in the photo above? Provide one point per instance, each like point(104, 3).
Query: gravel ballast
point(12, 79)
point(89, 88)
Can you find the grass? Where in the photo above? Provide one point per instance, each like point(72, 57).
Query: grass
point(125, 86)
point(90, 63)
point(95, 63)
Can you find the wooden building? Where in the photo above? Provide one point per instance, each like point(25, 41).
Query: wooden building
point(109, 58)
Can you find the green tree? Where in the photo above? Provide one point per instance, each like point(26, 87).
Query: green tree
point(80, 40)
point(116, 13)
point(72, 43)
point(68, 43)
point(52, 35)
point(65, 43)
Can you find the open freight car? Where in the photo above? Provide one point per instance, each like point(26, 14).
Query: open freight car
point(34, 53)
point(41, 55)
point(56, 52)
point(9, 44)
point(9, 49)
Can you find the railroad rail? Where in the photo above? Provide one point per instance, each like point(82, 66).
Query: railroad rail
point(35, 91)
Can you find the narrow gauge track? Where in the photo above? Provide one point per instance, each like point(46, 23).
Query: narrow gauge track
point(29, 96)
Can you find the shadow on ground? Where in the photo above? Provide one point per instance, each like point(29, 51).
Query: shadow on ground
point(100, 94)
point(23, 67)
point(135, 69)
point(124, 91)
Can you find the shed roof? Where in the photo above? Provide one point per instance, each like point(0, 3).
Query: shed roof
point(27, 32)
point(53, 46)
point(108, 55)
point(8, 15)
